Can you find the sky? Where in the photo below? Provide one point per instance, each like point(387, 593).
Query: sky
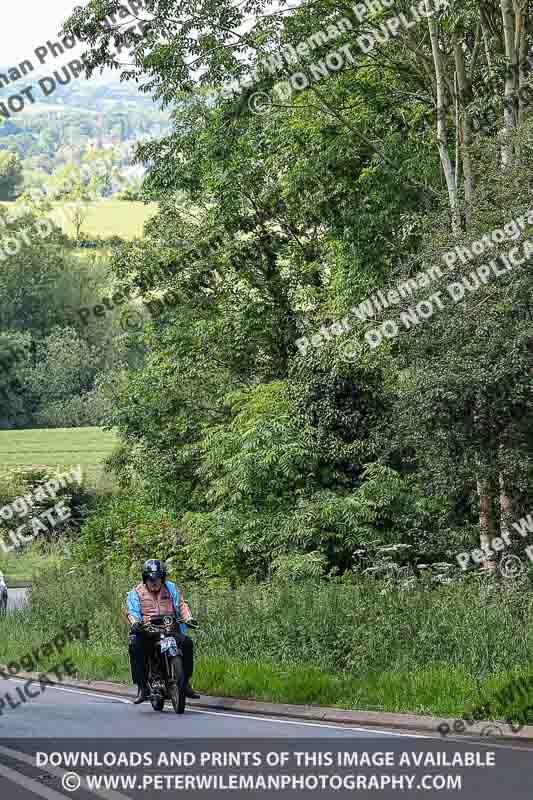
point(27, 24)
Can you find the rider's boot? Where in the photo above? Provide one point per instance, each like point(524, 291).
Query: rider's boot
point(191, 693)
point(142, 694)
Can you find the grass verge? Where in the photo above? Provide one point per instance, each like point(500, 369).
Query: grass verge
point(360, 646)
point(438, 691)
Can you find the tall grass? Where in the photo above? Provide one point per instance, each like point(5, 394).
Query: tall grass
point(22, 565)
point(436, 650)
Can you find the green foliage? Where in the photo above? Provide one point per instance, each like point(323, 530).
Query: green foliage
point(124, 531)
point(56, 370)
point(281, 464)
point(62, 380)
point(10, 176)
point(365, 629)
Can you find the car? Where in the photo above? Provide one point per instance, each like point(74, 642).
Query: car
point(3, 595)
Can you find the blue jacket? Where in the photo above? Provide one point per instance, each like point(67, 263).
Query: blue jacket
point(133, 603)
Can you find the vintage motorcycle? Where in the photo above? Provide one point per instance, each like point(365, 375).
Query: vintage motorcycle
point(166, 678)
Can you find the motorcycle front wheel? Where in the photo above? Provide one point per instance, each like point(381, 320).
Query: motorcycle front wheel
point(158, 703)
point(176, 684)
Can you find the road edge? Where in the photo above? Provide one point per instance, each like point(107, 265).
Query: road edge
point(372, 719)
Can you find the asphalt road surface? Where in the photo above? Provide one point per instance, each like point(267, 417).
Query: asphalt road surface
point(64, 719)
point(78, 714)
point(15, 598)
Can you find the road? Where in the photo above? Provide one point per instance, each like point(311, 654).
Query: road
point(78, 714)
point(84, 720)
point(16, 598)
point(74, 721)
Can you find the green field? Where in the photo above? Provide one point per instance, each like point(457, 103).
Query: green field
point(105, 218)
point(54, 447)
point(108, 218)
point(58, 447)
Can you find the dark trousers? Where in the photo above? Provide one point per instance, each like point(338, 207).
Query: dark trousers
point(140, 646)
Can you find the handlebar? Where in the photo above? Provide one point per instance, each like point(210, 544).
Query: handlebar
point(157, 624)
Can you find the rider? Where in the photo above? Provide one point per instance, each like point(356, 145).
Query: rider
point(155, 596)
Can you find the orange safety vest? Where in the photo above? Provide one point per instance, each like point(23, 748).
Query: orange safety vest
point(155, 604)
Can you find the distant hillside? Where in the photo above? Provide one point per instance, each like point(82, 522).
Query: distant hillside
point(101, 112)
point(97, 93)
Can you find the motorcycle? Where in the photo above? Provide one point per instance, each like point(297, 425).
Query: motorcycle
point(166, 678)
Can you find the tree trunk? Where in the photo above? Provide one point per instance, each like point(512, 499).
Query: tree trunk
point(442, 135)
point(505, 483)
point(506, 510)
point(486, 41)
point(487, 527)
point(465, 130)
point(522, 22)
point(511, 75)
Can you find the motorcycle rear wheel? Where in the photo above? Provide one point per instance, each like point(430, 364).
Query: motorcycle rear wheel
point(176, 684)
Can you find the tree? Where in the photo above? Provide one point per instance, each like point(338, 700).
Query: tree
point(10, 176)
point(349, 183)
point(68, 184)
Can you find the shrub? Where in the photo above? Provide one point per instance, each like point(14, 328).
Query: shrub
point(124, 532)
point(80, 499)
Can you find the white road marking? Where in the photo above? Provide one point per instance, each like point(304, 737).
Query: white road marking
point(92, 694)
point(31, 785)
point(27, 759)
point(245, 715)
